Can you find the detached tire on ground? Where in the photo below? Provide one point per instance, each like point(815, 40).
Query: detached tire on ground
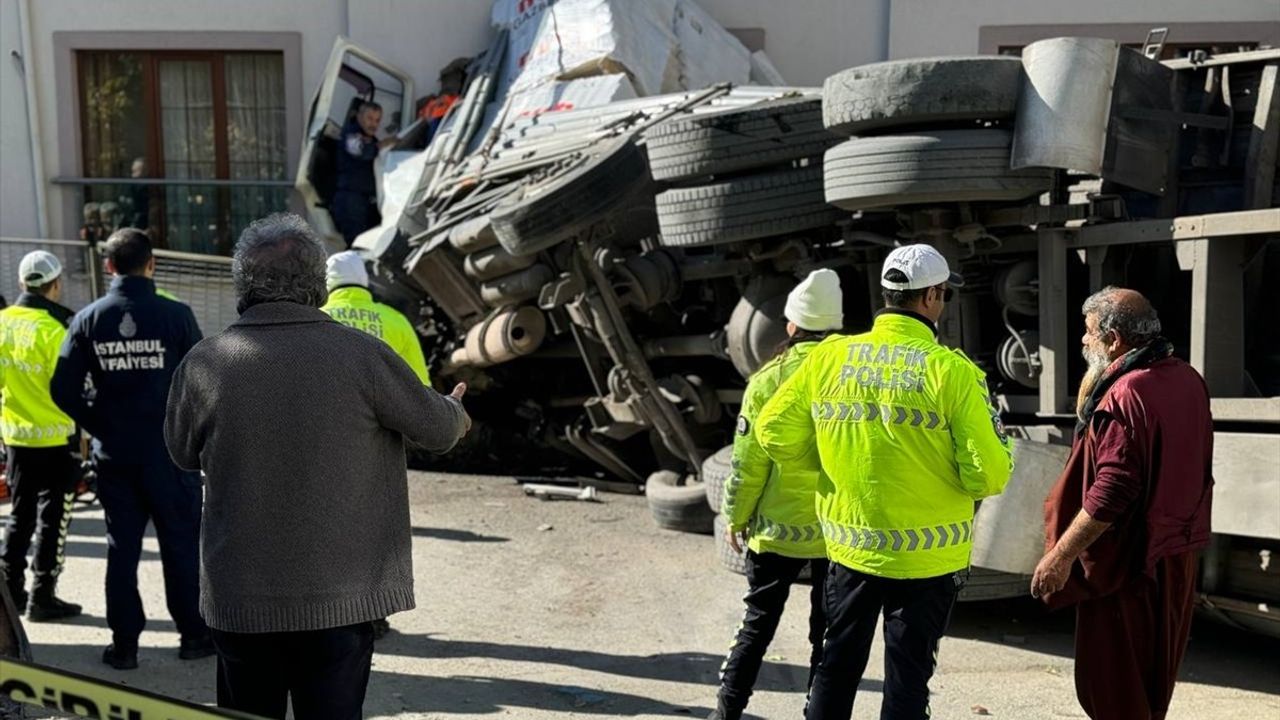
point(608, 182)
point(731, 559)
point(928, 167)
point(920, 92)
point(757, 206)
point(715, 471)
point(758, 136)
point(678, 507)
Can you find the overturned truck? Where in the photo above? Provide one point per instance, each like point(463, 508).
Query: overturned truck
point(605, 279)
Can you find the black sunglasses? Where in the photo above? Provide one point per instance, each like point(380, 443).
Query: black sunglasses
point(947, 294)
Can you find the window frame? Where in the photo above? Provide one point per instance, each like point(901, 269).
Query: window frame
point(68, 153)
point(154, 152)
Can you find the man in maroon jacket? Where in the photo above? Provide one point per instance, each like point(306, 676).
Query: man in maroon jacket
point(1132, 507)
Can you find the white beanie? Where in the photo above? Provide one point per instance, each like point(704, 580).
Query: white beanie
point(346, 268)
point(816, 304)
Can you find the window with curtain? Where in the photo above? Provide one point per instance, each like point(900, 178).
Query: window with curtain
point(186, 118)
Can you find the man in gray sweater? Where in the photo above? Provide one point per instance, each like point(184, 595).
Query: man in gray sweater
point(299, 424)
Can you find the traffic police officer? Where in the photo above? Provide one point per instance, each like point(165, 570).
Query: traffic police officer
point(906, 438)
point(774, 504)
point(351, 304)
point(41, 470)
point(129, 343)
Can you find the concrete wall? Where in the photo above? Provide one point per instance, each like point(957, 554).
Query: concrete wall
point(17, 181)
point(811, 39)
point(420, 37)
point(923, 28)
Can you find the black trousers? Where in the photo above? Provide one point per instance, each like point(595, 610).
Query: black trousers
point(325, 671)
point(354, 213)
point(43, 482)
point(769, 580)
point(916, 613)
point(132, 495)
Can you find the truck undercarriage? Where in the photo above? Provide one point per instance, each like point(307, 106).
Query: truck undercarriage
point(605, 279)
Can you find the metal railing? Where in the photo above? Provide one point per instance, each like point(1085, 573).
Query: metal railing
point(79, 272)
point(200, 215)
point(201, 281)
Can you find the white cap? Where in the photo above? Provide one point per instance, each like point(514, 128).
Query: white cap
point(816, 304)
point(39, 267)
point(346, 268)
point(922, 264)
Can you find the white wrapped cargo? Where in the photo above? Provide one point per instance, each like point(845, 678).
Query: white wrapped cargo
point(567, 39)
point(569, 95)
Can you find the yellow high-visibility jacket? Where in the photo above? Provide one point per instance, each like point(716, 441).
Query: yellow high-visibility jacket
point(775, 500)
point(905, 436)
point(29, 342)
point(355, 307)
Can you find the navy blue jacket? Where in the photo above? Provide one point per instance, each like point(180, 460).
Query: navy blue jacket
point(354, 164)
point(128, 343)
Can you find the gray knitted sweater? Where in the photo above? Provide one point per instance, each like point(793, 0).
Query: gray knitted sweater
point(299, 424)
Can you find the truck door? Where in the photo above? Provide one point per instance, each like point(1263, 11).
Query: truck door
point(353, 75)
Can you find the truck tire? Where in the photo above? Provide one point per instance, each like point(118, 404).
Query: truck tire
point(748, 208)
point(757, 325)
point(928, 167)
point(731, 559)
point(609, 182)
point(925, 91)
point(987, 584)
point(759, 136)
point(678, 507)
point(716, 469)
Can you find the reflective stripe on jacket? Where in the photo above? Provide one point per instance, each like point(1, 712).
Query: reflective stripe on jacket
point(775, 500)
point(907, 439)
point(29, 342)
point(355, 307)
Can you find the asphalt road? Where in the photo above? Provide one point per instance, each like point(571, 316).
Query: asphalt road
point(540, 610)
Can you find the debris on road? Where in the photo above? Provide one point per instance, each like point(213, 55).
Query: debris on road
point(551, 492)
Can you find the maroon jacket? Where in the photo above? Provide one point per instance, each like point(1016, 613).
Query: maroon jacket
point(1145, 464)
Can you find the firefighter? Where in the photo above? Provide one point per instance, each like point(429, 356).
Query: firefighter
point(129, 343)
point(38, 435)
point(773, 504)
point(355, 198)
point(906, 438)
point(351, 304)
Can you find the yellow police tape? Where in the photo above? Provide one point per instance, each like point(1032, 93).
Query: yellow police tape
point(84, 696)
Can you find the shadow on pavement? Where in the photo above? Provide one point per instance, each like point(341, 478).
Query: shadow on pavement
point(1217, 654)
point(465, 536)
point(469, 695)
point(689, 667)
point(159, 669)
point(154, 624)
point(389, 693)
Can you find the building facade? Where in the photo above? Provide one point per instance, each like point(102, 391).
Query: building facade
point(188, 117)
